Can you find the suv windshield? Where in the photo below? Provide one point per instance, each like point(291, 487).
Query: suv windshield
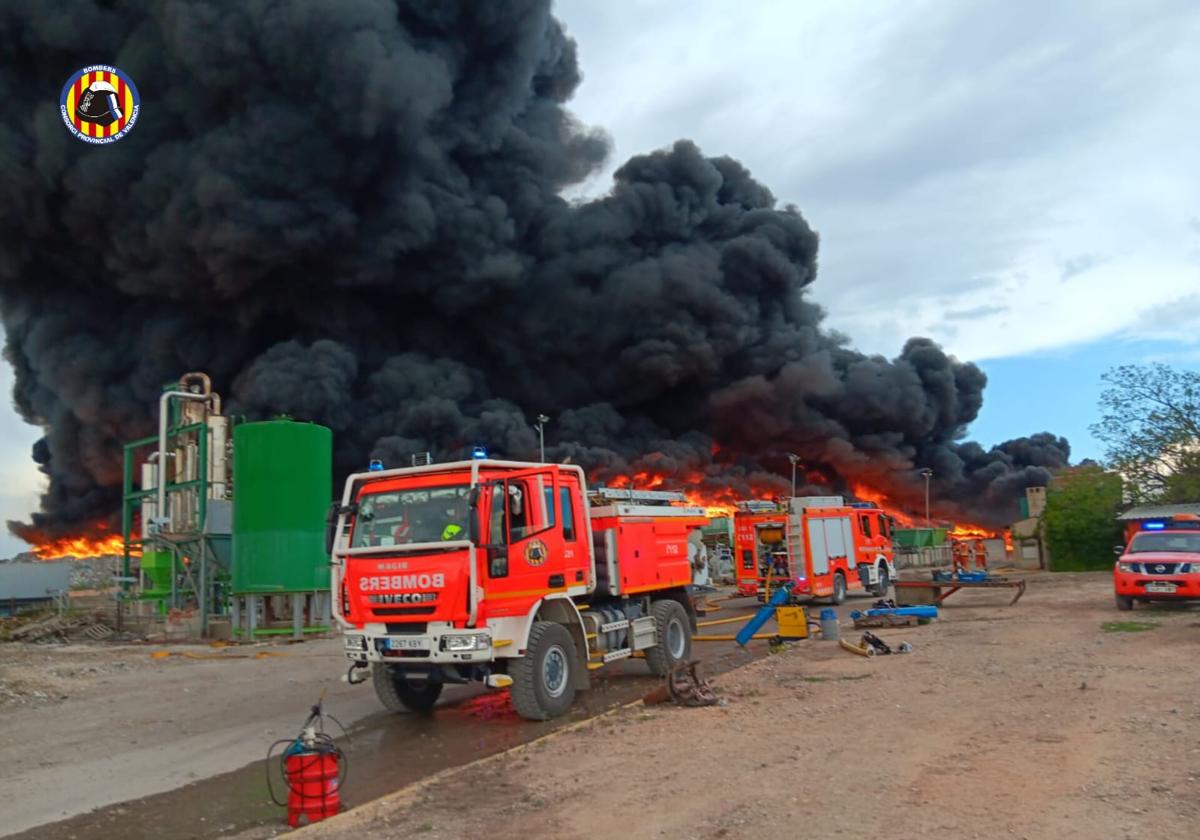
point(420, 515)
point(1181, 541)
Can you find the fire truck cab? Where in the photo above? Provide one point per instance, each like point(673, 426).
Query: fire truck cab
point(501, 572)
point(1160, 563)
point(825, 546)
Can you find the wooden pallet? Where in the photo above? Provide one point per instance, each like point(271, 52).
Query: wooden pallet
point(931, 591)
point(864, 621)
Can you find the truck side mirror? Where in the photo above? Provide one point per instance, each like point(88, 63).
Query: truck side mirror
point(473, 517)
point(1118, 550)
point(331, 518)
point(330, 525)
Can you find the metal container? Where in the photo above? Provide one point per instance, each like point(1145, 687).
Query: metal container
point(282, 486)
point(919, 537)
point(830, 631)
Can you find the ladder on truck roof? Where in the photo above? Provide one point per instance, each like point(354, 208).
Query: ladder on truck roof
point(757, 506)
point(608, 495)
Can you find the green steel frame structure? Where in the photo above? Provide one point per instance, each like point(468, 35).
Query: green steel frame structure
point(194, 544)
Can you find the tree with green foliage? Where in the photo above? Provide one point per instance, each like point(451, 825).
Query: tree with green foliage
point(1151, 425)
point(1080, 521)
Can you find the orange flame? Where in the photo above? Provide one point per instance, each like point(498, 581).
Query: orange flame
point(867, 494)
point(969, 533)
point(82, 546)
point(715, 502)
point(961, 531)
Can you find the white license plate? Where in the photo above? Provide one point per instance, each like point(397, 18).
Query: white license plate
point(406, 644)
point(1160, 587)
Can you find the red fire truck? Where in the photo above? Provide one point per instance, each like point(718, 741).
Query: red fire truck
point(824, 545)
point(502, 572)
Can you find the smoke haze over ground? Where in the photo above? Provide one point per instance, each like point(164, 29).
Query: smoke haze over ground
point(349, 212)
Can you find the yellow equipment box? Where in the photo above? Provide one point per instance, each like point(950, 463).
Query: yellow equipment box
point(792, 621)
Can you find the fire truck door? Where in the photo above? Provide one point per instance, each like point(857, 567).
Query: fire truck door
point(524, 508)
point(829, 537)
point(818, 553)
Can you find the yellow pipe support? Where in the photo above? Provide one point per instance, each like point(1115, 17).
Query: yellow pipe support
point(745, 617)
point(732, 638)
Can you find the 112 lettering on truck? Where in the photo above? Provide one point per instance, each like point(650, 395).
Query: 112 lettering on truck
point(501, 572)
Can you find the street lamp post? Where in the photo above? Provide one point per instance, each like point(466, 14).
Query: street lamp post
point(795, 459)
point(542, 420)
point(928, 474)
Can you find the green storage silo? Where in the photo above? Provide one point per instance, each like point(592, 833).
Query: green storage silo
point(282, 483)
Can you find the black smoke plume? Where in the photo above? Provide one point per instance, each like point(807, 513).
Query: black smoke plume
point(349, 211)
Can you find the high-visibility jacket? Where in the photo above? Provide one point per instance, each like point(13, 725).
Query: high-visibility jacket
point(451, 531)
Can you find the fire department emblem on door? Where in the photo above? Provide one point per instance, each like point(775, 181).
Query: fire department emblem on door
point(99, 104)
point(535, 553)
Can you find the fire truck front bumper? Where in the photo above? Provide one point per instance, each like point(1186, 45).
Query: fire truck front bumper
point(439, 645)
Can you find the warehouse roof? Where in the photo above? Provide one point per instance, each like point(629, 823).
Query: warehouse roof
point(1159, 511)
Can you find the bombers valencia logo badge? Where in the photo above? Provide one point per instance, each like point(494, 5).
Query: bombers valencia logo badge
point(99, 104)
point(535, 553)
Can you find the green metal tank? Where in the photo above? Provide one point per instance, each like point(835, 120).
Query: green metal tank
point(282, 480)
point(919, 537)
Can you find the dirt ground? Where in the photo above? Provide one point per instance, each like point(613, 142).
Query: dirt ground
point(1026, 722)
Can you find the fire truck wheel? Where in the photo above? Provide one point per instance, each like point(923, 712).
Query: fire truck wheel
point(1124, 603)
point(674, 637)
point(839, 588)
point(881, 588)
point(398, 694)
point(544, 678)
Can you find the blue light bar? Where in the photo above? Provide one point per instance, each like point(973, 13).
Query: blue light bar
point(1153, 526)
point(376, 465)
point(478, 452)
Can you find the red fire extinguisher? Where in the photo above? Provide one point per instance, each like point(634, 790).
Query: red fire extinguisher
point(313, 768)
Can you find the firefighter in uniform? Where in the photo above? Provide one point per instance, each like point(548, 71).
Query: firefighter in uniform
point(980, 555)
point(961, 555)
point(453, 529)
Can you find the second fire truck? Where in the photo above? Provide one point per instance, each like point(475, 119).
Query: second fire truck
point(826, 546)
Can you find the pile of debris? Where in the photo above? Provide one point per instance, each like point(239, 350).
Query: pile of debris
point(55, 627)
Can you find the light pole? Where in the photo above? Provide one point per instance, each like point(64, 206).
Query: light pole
point(541, 427)
point(928, 473)
point(795, 459)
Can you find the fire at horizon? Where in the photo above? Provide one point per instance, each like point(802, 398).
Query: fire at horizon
point(723, 502)
point(82, 546)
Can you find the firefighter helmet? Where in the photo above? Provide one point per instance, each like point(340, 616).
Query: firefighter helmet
point(99, 104)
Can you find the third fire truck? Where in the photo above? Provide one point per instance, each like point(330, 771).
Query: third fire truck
point(826, 546)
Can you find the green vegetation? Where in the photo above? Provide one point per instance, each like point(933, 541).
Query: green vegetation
point(1151, 425)
point(1080, 519)
point(1127, 626)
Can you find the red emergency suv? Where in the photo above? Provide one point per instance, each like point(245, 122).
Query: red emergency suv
point(1161, 563)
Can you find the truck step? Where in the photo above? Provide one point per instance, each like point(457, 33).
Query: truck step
point(614, 655)
point(614, 625)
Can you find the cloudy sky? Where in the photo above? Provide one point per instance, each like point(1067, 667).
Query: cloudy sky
point(1017, 180)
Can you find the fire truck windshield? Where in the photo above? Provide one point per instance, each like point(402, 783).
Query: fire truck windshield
point(420, 515)
point(1181, 541)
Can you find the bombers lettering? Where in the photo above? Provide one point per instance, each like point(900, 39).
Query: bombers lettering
point(436, 580)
